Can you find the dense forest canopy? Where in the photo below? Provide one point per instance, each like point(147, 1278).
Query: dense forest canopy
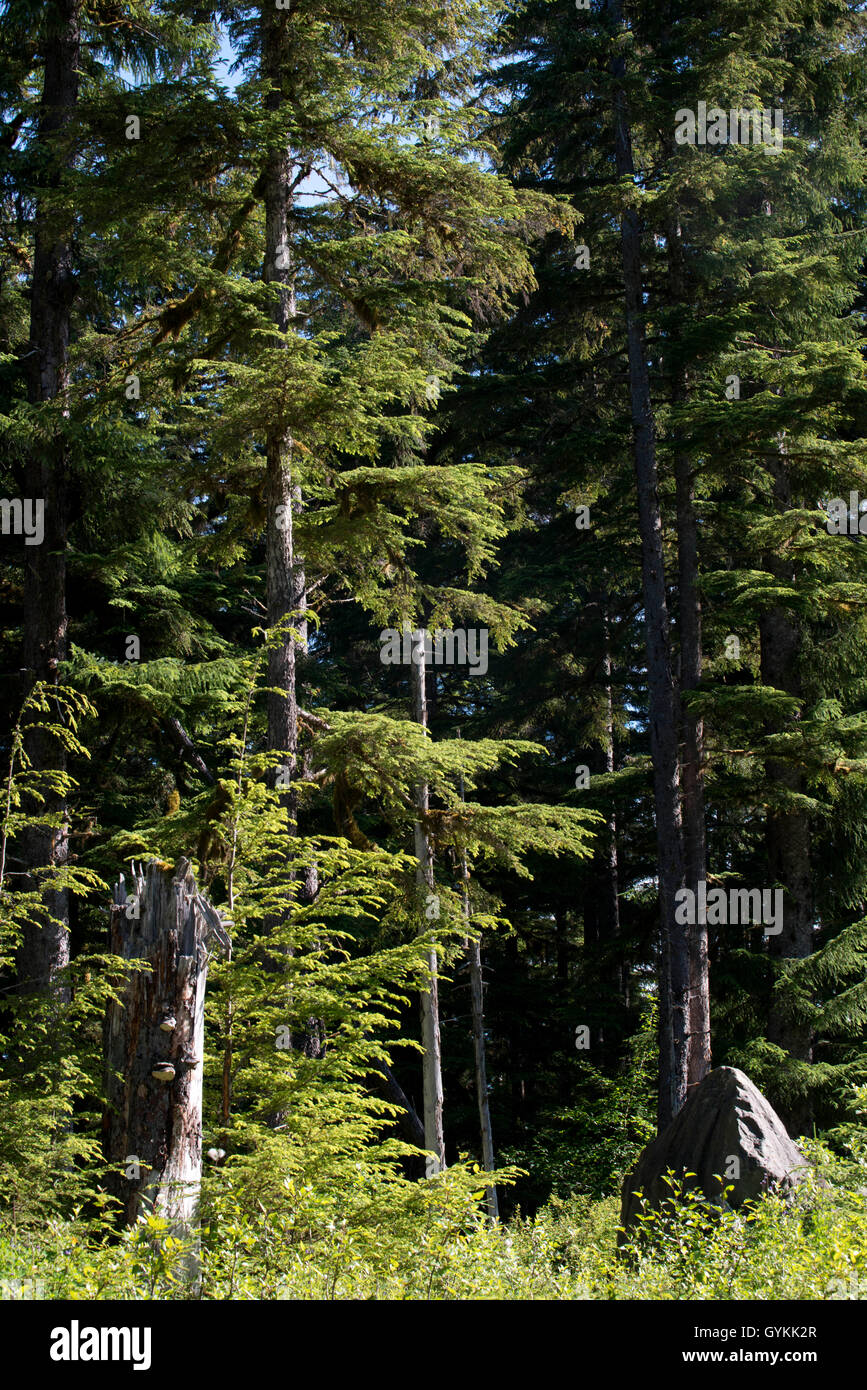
point(433, 471)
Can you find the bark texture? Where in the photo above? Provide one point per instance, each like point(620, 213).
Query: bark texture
point(407, 1120)
point(692, 726)
point(480, 1064)
point(154, 1043)
point(787, 832)
point(285, 577)
point(619, 974)
point(675, 969)
point(45, 947)
point(429, 998)
point(286, 582)
point(477, 995)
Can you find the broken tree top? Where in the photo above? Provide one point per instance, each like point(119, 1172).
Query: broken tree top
point(727, 1135)
point(185, 884)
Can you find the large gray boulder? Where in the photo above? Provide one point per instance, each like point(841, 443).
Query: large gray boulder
point(728, 1136)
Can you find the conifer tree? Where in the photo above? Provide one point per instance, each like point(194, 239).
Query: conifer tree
point(339, 362)
point(62, 67)
point(686, 244)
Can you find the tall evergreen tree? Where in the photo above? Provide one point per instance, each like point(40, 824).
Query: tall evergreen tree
point(61, 67)
point(610, 141)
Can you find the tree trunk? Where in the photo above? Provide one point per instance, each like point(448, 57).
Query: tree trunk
point(674, 974)
point(407, 1120)
point(692, 727)
point(787, 832)
point(45, 946)
point(611, 914)
point(286, 588)
point(286, 583)
point(285, 576)
point(561, 938)
point(477, 995)
point(153, 1122)
point(429, 999)
point(480, 1066)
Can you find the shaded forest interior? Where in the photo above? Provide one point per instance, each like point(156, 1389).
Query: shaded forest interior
point(432, 444)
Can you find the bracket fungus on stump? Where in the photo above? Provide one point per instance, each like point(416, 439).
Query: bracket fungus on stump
point(155, 1039)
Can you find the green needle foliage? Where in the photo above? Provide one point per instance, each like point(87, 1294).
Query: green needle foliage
point(362, 285)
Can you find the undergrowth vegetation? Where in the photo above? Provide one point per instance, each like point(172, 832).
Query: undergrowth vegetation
point(432, 1241)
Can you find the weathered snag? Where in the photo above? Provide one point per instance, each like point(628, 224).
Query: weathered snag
point(155, 1043)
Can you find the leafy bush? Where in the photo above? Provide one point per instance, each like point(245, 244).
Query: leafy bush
point(431, 1241)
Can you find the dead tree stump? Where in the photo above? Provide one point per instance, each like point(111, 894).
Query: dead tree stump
point(154, 1043)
